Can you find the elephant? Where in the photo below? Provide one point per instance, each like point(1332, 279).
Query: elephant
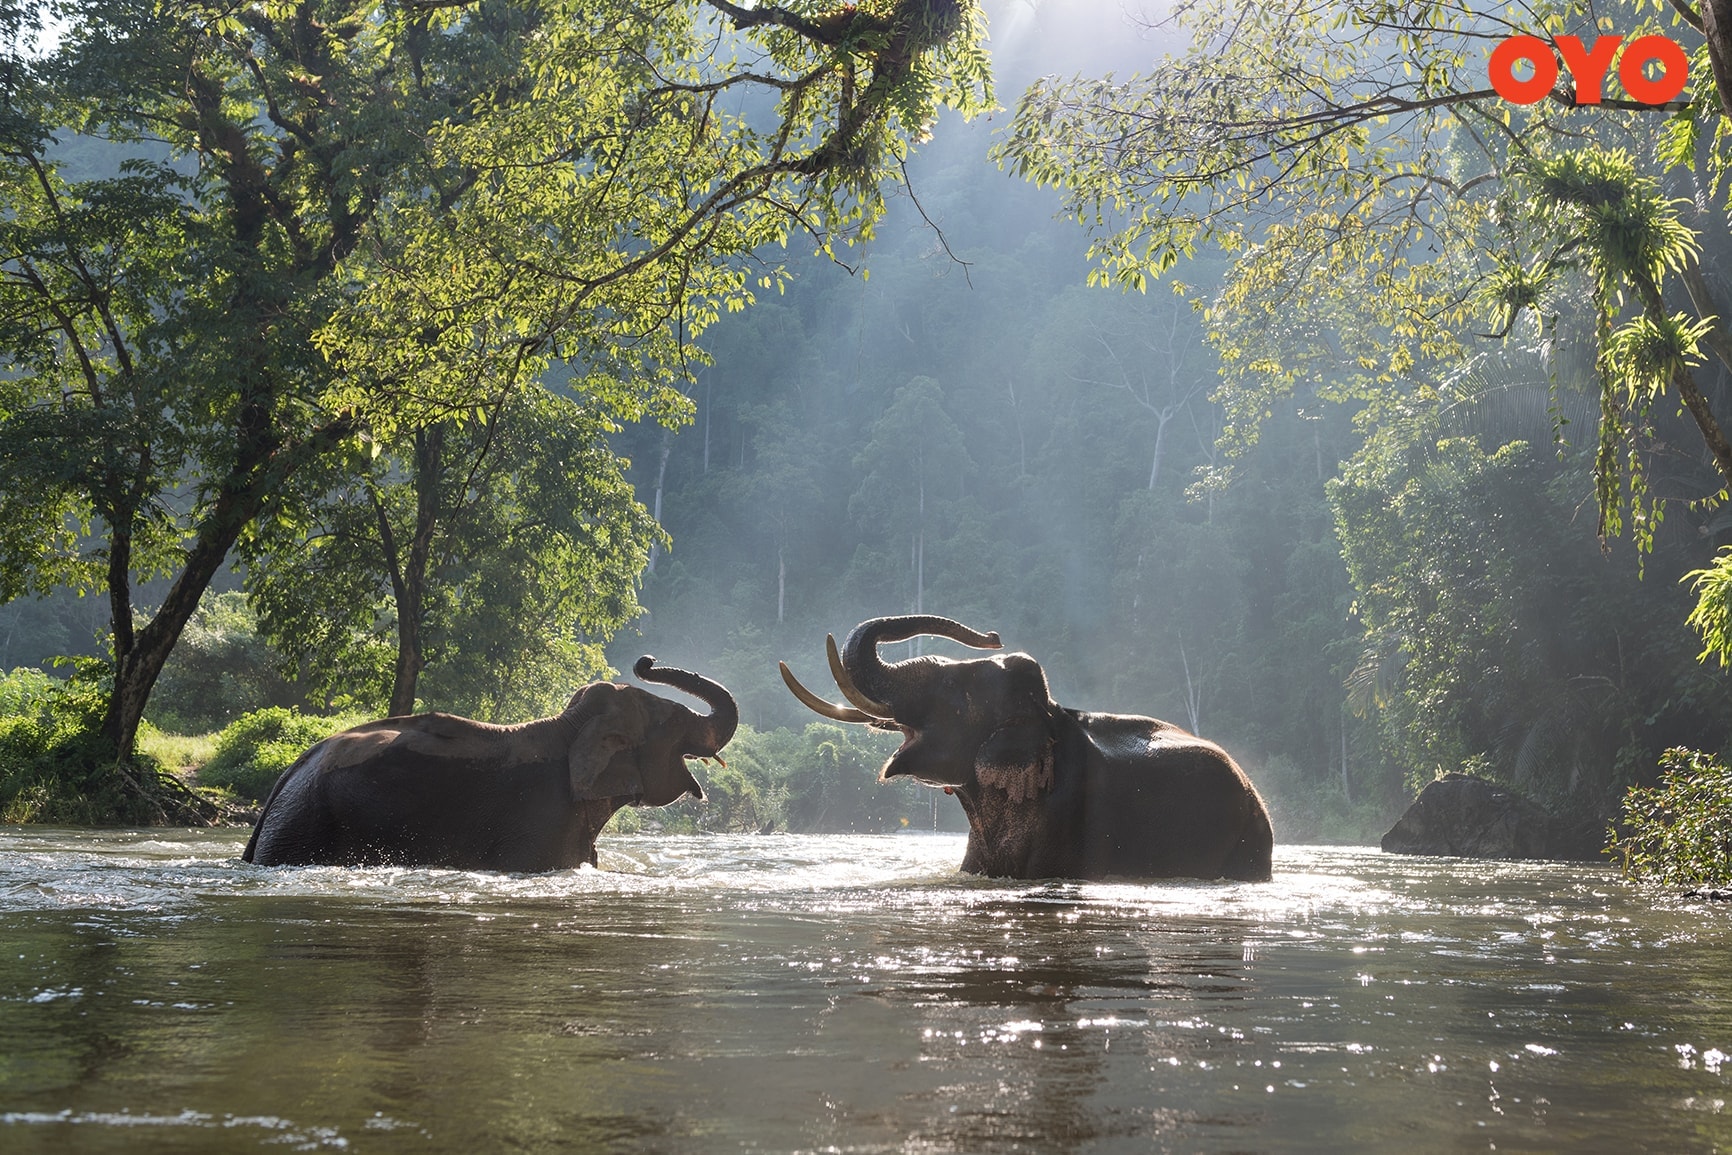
point(1049, 792)
point(442, 790)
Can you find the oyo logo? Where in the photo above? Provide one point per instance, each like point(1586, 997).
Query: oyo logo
point(1588, 67)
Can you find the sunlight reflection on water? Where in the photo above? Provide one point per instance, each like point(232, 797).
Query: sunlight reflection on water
point(856, 994)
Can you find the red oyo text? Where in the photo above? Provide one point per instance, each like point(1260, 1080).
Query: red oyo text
point(1588, 67)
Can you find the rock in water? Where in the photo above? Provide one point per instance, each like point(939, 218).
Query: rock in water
point(1466, 816)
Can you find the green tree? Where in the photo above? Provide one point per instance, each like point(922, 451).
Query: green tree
point(339, 222)
point(1394, 228)
point(1678, 832)
point(835, 787)
point(1382, 204)
point(1497, 636)
point(492, 557)
point(733, 801)
point(221, 668)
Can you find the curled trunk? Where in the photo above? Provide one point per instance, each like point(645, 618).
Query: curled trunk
point(883, 682)
point(724, 716)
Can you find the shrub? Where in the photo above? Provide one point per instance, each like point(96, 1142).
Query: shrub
point(258, 746)
point(220, 668)
point(55, 766)
point(25, 691)
point(1679, 831)
point(734, 801)
point(833, 784)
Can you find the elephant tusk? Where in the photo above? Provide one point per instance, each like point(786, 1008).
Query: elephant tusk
point(846, 683)
point(818, 705)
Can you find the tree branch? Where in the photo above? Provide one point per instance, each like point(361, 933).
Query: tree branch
point(1717, 31)
point(1718, 340)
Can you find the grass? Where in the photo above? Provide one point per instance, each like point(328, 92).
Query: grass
point(181, 753)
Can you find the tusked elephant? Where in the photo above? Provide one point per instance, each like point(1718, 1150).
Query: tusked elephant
point(440, 790)
point(1049, 792)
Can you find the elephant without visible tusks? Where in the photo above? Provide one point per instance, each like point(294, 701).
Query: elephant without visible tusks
point(1049, 792)
point(440, 790)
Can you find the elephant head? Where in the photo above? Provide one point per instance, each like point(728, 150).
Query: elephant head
point(985, 721)
point(627, 743)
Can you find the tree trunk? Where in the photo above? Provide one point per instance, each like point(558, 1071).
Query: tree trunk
point(1137, 596)
point(1193, 693)
point(263, 461)
point(409, 573)
point(137, 667)
point(920, 571)
point(1717, 30)
point(1161, 419)
point(1346, 786)
point(920, 548)
point(661, 481)
point(260, 465)
point(406, 675)
point(1718, 340)
point(1021, 439)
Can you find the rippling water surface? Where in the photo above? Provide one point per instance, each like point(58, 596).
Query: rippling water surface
point(792, 993)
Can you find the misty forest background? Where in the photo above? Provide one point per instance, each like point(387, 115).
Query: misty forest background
point(960, 425)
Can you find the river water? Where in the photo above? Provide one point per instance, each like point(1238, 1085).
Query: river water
point(846, 994)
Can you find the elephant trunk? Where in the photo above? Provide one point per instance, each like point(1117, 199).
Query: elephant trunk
point(715, 730)
point(889, 682)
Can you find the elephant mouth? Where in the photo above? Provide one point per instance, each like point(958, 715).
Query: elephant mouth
point(692, 789)
point(913, 760)
point(891, 768)
point(872, 691)
point(695, 789)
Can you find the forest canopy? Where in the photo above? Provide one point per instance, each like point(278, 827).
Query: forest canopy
point(1367, 552)
point(1335, 503)
point(267, 264)
point(1402, 241)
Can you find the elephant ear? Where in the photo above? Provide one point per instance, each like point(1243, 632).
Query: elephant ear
point(1017, 759)
point(597, 768)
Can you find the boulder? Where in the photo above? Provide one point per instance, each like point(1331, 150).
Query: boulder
point(1466, 816)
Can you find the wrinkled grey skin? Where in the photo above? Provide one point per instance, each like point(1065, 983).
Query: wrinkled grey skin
point(1049, 792)
point(440, 790)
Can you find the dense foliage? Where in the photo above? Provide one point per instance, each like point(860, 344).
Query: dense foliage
point(1498, 637)
point(50, 764)
point(1407, 246)
point(477, 575)
point(254, 749)
point(249, 249)
point(1340, 518)
point(994, 442)
point(1477, 620)
point(1678, 832)
point(819, 780)
point(221, 668)
point(1383, 207)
